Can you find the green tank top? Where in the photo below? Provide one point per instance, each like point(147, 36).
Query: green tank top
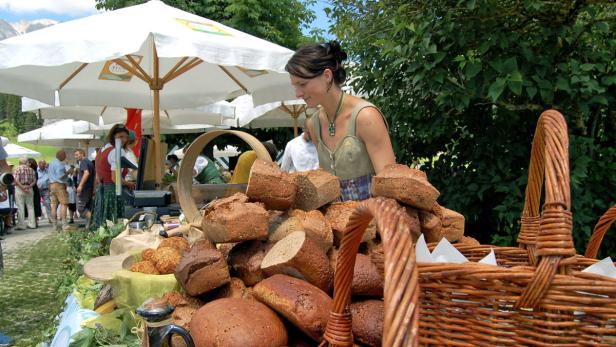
point(350, 158)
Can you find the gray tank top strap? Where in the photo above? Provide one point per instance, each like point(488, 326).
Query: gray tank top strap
point(352, 127)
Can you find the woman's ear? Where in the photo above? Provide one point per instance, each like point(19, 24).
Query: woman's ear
point(328, 75)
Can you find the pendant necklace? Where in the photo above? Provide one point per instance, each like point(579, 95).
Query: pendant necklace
point(332, 123)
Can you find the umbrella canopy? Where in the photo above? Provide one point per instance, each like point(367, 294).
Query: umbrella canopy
point(148, 56)
point(66, 133)
point(16, 151)
point(165, 128)
point(291, 113)
point(215, 114)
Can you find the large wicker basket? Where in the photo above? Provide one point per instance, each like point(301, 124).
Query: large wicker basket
point(544, 300)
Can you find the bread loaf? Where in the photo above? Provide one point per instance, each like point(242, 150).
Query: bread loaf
point(303, 304)
point(231, 220)
point(453, 225)
point(406, 185)
point(315, 188)
point(234, 289)
point(430, 226)
point(268, 184)
point(202, 269)
point(338, 214)
point(414, 223)
point(235, 322)
point(367, 281)
point(299, 256)
point(245, 261)
point(316, 227)
point(283, 226)
point(368, 318)
point(469, 241)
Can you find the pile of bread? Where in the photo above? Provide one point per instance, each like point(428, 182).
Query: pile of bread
point(264, 275)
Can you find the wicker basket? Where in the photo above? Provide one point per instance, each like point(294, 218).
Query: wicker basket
point(545, 301)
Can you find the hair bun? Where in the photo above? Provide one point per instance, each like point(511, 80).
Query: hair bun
point(335, 50)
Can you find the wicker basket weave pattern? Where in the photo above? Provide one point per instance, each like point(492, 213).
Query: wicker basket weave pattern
point(538, 298)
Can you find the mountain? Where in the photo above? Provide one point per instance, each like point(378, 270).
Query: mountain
point(24, 26)
point(6, 30)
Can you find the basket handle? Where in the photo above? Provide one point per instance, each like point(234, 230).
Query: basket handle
point(603, 225)
point(548, 238)
point(401, 322)
point(188, 162)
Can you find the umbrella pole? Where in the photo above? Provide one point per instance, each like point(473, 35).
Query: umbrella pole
point(156, 86)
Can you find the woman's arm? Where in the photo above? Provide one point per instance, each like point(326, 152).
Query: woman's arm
point(372, 131)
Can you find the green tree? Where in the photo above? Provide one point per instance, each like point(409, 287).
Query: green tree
point(278, 21)
point(463, 83)
point(15, 121)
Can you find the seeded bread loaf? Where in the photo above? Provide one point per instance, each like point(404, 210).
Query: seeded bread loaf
point(268, 184)
point(406, 185)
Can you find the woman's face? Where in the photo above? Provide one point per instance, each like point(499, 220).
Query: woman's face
point(312, 90)
point(123, 137)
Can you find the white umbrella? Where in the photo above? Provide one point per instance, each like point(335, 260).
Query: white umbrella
point(66, 133)
point(213, 114)
point(146, 128)
point(291, 113)
point(139, 57)
point(16, 151)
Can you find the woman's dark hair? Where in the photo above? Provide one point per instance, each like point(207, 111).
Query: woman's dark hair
point(116, 129)
point(311, 60)
point(33, 164)
point(271, 148)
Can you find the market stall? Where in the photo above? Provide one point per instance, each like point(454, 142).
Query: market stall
point(286, 264)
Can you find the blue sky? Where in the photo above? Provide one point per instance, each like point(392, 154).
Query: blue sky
point(63, 10)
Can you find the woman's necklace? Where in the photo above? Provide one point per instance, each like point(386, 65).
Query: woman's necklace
point(332, 122)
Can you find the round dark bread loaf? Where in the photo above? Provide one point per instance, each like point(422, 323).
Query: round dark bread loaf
point(233, 322)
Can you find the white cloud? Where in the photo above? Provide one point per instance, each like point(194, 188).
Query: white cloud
point(64, 7)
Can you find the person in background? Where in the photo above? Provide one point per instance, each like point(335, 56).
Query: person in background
point(25, 179)
point(4, 167)
point(245, 161)
point(43, 185)
point(6, 213)
point(350, 134)
point(85, 186)
point(72, 194)
point(130, 155)
point(300, 154)
point(36, 196)
point(172, 164)
point(107, 205)
point(58, 179)
point(205, 170)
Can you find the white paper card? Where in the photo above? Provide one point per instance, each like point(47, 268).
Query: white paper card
point(445, 252)
point(489, 259)
point(605, 267)
point(422, 253)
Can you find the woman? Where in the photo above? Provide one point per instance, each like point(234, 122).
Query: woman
point(350, 133)
point(107, 205)
point(36, 195)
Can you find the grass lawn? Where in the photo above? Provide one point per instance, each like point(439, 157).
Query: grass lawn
point(29, 290)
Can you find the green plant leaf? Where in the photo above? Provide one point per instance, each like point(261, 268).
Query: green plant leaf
point(496, 89)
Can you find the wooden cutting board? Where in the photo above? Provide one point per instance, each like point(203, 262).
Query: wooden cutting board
point(103, 268)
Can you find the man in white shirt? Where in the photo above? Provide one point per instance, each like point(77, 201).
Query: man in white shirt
point(300, 154)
